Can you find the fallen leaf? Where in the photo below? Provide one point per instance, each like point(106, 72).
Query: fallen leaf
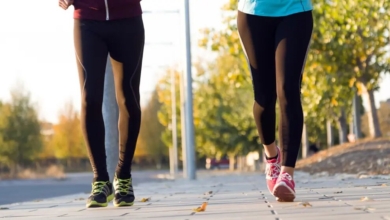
point(305, 204)
point(338, 192)
point(384, 184)
point(208, 193)
point(365, 199)
point(4, 208)
point(359, 208)
point(145, 200)
point(370, 209)
point(364, 208)
point(202, 208)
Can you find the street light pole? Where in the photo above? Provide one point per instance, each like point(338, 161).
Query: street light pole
point(174, 157)
point(173, 152)
point(189, 152)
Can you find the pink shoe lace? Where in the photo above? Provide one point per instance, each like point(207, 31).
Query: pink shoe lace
point(272, 171)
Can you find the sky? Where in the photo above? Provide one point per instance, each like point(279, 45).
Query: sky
point(36, 48)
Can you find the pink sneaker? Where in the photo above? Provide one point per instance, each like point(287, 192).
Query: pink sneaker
point(284, 190)
point(272, 171)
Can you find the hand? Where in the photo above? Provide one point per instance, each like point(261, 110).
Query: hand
point(64, 4)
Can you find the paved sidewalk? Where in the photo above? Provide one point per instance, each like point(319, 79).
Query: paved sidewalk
point(229, 196)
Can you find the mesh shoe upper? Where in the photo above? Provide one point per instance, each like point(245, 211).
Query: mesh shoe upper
point(124, 192)
point(100, 191)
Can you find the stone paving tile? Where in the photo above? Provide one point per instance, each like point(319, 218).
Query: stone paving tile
point(229, 197)
point(363, 216)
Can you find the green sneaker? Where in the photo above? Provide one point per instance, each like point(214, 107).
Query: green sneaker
point(124, 194)
point(101, 194)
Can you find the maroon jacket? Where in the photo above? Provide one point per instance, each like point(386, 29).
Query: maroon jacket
point(106, 9)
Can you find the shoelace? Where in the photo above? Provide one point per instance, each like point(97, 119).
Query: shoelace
point(97, 187)
point(285, 176)
point(124, 185)
point(273, 170)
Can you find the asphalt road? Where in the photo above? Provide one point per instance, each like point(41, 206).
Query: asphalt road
point(13, 191)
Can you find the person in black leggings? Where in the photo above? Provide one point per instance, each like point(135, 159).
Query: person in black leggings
point(276, 48)
point(114, 28)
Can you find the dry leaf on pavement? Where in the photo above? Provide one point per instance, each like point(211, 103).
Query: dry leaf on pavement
point(384, 184)
point(366, 199)
point(145, 200)
point(370, 209)
point(338, 192)
point(364, 208)
point(202, 208)
point(208, 193)
point(305, 204)
point(4, 208)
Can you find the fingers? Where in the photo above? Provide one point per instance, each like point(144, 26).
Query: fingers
point(64, 4)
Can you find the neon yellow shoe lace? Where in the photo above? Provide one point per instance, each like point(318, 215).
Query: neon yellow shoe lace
point(97, 187)
point(124, 185)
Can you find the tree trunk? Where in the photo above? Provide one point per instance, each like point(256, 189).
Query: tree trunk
point(373, 122)
point(356, 117)
point(305, 142)
point(14, 170)
point(342, 124)
point(232, 162)
point(329, 133)
point(110, 115)
point(69, 163)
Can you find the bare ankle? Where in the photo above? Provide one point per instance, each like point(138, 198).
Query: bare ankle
point(271, 150)
point(289, 170)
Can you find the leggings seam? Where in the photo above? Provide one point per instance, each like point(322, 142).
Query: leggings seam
point(132, 77)
point(85, 74)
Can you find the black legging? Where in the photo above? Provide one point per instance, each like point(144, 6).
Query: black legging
point(276, 48)
point(124, 41)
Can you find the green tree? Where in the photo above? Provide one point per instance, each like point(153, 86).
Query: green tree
point(350, 41)
point(20, 137)
point(326, 96)
point(226, 125)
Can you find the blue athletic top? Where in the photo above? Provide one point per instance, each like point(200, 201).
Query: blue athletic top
point(274, 8)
